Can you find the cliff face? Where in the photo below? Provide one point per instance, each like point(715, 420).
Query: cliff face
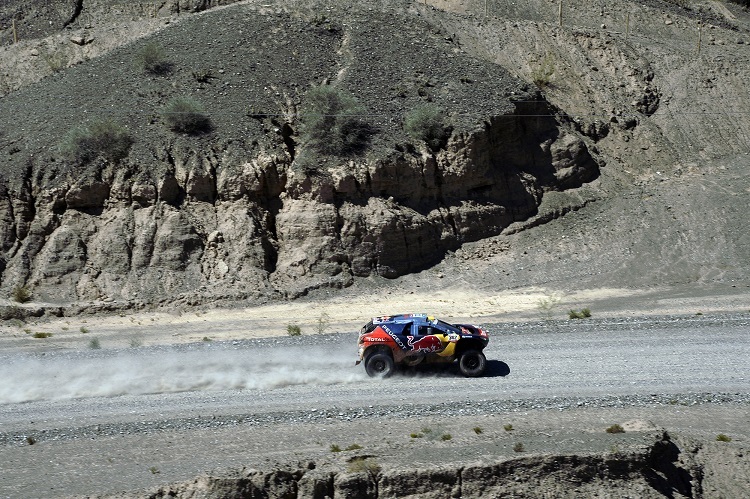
point(209, 228)
point(235, 213)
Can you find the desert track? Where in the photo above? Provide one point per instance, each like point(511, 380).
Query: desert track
point(104, 421)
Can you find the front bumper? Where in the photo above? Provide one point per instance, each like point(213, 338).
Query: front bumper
point(360, 354)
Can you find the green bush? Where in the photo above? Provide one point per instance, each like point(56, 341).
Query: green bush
point(615, 428)
point(186, 115)
point(335, 448)
point(104, 139)
point(518, 447)
point(583, 314)
point(151, 58)
point(723, 438)
point(293, 330)
point(331, 122)
point(542, 73)
point(364, 464)
point(427, 123)
point(21, 294)
point(40, 334)
point(94, 344)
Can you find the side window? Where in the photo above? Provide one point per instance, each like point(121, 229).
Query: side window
point(424, 331)
point(405, 329)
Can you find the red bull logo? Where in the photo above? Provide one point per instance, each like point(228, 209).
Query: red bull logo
point(425, 344)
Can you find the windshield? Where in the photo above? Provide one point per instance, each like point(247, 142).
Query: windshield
point(448, 327)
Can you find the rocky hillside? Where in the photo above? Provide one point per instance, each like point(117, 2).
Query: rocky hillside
point(597, 146)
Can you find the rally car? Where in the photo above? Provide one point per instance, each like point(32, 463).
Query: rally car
point(411, 339)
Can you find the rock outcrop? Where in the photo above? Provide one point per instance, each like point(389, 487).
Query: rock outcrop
point(238, 230)
point(663, 469)
point(247, 210)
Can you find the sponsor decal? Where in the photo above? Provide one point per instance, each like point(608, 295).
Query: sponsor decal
point(394, 336)
point(425, 344)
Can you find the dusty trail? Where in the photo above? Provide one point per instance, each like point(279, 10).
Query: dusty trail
point(292, 397)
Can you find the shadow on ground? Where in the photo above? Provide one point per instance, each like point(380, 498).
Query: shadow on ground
point(494, 369)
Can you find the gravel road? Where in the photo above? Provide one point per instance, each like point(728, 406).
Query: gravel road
point(100, 420)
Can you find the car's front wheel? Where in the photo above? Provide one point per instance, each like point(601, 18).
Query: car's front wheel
point(472, 363)
point(379, 365)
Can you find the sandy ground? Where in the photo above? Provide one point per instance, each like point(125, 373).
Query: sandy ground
point(347, 312)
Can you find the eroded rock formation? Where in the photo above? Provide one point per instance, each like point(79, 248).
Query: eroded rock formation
point(663, 469)
point(247, 210)
point(242, 229)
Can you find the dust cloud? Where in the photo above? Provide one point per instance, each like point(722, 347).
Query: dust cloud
point(139, 371)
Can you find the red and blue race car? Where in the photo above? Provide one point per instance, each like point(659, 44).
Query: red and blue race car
point(411, 339)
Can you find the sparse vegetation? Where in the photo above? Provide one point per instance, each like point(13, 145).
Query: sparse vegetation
point(354, 447)
point(615, 428)
point(136, 342)
point(323, 322)
point(416, 435)
point(16, 322)
point(518, 447)
point(293, 330)
point(40, 334)
point(206, 339)
point(21, 294)
point(584, 313)
point(57, 60)
point(104, 139)
point(332, 122)
point(723, 438)
point(152, 58)
point(84, 330)
point(202, 75)
point(30, 440)
point(508, 427)
point(446, 436)
point(478, 430)
point(335, 448)
point(427, 123)
point(542, 72)
point(366, 464)
point(186, 115)
point(94, 344)
point(547, 303)
point(154, 470)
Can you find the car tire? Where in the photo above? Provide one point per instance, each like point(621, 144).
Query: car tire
point(472, 363)
point(379, 365)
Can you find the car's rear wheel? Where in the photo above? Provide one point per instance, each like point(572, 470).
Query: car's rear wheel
point(472, 363)
point(380, 365)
